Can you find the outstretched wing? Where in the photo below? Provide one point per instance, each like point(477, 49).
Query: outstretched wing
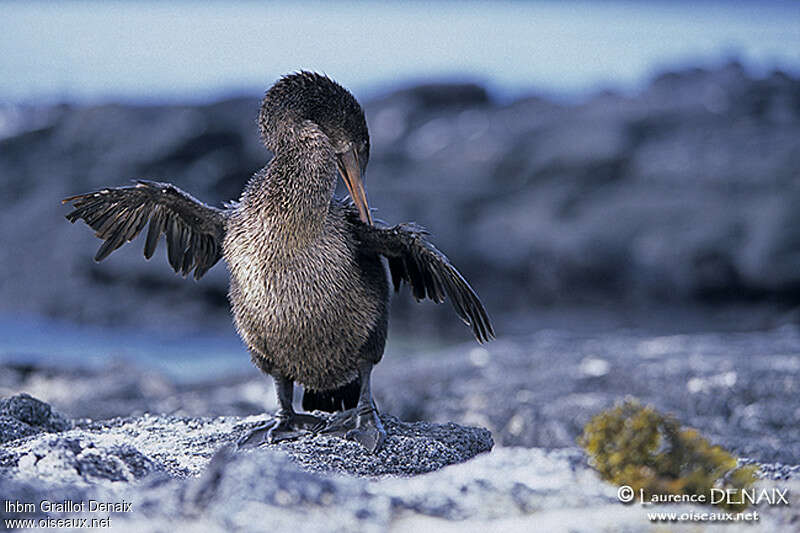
point(427, 271)
point(194, 230)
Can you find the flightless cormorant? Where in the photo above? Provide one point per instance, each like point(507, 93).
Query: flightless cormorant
point(308, 283)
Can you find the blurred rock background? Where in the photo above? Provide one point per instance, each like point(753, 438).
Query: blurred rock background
point(685, 193)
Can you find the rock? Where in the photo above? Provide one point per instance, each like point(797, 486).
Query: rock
point(266, 490)
point(410, 449)
point(540, 390)
point(34, 492)
point(126, 449)
point(268, 484)
point(273, 485)
point(534, 392)
point(263, 490)
point(71, 458)
point(23, 415)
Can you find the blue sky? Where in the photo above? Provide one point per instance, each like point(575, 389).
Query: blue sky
point(149, 51)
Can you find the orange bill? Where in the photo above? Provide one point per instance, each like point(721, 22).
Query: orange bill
point(350, 170)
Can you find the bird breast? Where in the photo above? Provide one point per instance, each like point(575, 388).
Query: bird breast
point(296, 302)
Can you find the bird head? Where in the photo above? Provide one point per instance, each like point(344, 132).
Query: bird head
point(308, 96)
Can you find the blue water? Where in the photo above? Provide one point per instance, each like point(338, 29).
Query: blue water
point(182, 356)
point(154, 51)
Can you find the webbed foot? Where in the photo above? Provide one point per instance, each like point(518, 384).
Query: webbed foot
point(280, 429)
point(364, 428)
point(370, 437)
point(340, 423)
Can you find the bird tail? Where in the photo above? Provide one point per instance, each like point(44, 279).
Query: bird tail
point(341, 399)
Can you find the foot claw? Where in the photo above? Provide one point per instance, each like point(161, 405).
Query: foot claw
point(340, 423)
point(281, 429)
point(307, 422)
point(277, 434)
point(371, 438)
point(364, 428)
point(257, 436)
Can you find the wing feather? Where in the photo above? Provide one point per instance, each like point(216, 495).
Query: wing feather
point(193, 230)
point(427, 271)
point(154, 231)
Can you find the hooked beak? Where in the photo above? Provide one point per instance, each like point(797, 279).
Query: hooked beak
point(350, 170)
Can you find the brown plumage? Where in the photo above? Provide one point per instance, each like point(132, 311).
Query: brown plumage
point(308, 286)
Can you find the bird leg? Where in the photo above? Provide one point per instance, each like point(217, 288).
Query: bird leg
point(369, 431)
point(362, 423)
point(286, 424)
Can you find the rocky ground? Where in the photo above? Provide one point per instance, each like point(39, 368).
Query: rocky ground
point(534, 393)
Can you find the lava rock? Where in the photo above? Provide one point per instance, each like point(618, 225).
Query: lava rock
point(738, 389)
point(125, 449)
point(183, 473)
point(410, 449)
point(22, 416)
point(263, 490)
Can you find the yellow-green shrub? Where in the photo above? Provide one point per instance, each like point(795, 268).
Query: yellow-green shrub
point(635, 445)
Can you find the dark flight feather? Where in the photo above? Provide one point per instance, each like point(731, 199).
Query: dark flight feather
point(427, 271)
point(193, 230)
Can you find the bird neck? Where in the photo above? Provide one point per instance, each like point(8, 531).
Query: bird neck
point(294, 195)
